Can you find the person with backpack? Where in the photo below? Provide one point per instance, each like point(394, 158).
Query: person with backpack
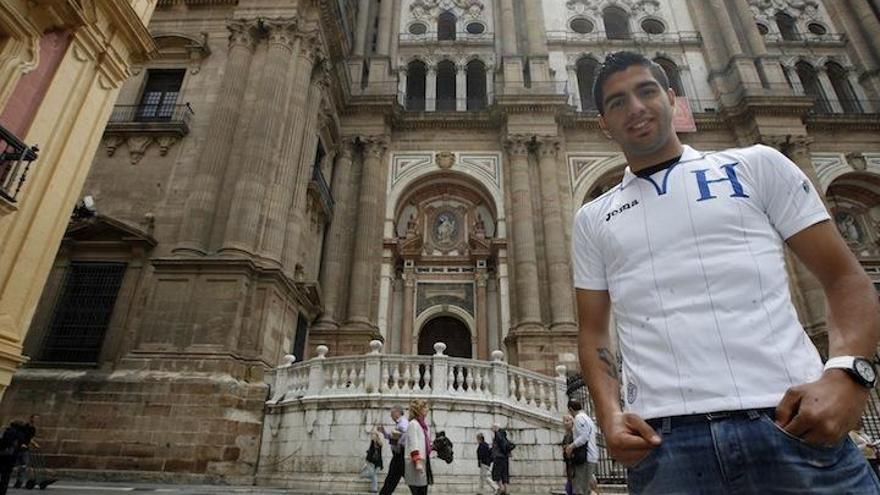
point(10, 443)
point(501, 448)
point(484, 461)
point(373, 463)
point(583, 451)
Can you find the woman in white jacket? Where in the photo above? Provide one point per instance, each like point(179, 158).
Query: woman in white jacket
point(417, 461)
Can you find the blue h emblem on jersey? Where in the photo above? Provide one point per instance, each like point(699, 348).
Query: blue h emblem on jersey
point(703, 182)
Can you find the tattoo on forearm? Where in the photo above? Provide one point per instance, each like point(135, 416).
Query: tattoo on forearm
point(610, 364)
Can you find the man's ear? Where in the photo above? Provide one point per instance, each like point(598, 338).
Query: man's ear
point(604, 126)
point(671, 94)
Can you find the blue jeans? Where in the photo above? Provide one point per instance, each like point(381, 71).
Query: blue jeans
point(746, 453)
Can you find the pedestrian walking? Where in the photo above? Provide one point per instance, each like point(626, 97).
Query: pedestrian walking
point(501, 449)
point(24, 471)
point(10, 443)
point(396, 437)
point(567, 438)
point(583, 452)
point(484, 462)
point(417, 462)
point(373, 461)
point(723, 390)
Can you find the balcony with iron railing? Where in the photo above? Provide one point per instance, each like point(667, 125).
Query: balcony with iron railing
point(151, 119)
point(320, 191)
point(418, 104)
point(828, 39)
point(15, 161)
point(431, 37)
point(571, 37)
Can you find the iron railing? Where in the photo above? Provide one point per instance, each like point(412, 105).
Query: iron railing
point(151, 113)
point(609, 471)
point(687, 37)
point(557, 88)
point(323, 190)
point(464, 37)
point(807, 38)
point(446, 104)
point(15, 161)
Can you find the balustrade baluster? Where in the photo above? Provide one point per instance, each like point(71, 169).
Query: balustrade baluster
point(470, 380)
point(352, 378)
point(428, 386)
point(396, 374)
point(450, 380)
point(334, 378)
point(512, 385)
point(407, 376)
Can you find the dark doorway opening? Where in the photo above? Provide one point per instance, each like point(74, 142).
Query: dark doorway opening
point(451, 331)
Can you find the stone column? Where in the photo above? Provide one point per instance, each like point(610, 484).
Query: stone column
point(460, 88)
point(574, 84)
point(336, 249)
point(395, 34)
point(490, 84)
point(480, 278)
point(539, 64)
point(402, 76)
point(831, 97)
point(200, 205)
point(243, 223)
point(284, 178)
point(409, 296)
point(810, 293)
point(508, 29)
point(524, 251)
point(431, 89)
point(561, 304)
point(383, 44)
point(363, 21)
point(368, 238)
point(769, 65)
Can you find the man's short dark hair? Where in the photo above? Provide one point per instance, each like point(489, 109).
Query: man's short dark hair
point(619, 62)
point(575, 405)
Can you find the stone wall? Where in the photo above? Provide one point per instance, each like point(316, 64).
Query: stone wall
point(321, 445)
point(151, 425)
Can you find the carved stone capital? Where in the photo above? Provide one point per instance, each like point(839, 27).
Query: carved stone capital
point(280, 31)
point(790, 146)
point(517, 144)
point(548, 146)
point(346, 147)
point(310, 47)
point(374, 146)
point(242, 32)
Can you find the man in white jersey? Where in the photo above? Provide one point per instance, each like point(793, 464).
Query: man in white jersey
point(723, 391)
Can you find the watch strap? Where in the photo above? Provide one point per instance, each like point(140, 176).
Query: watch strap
point(845, 362)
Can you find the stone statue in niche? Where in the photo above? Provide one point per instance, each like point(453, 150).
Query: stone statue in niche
point(848, 227)
point(445, 228)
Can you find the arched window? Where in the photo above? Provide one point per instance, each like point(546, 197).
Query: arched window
point(807, 74)
point(787, 27)
point(446, 86)
point(616, 23)
point(416, 73)
point(586, 74)
point(476, 85)
point(672, 74)
point(842, 88)
point(446, 26)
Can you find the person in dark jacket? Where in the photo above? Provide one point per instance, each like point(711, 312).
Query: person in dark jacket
point(22, 461)
point(501, 448)
point(484, 461)
point(373, 463)
point(11, 441)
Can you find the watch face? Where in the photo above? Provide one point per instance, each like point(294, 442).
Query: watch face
point(865, 370)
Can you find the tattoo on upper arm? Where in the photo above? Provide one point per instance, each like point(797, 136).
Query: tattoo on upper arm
point(610, 363)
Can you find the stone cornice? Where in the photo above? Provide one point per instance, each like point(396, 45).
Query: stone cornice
point(133, 30)
point(844, 122)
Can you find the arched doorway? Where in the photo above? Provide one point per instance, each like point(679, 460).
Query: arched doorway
point(449, 330)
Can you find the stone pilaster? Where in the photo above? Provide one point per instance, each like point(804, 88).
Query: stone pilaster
point(286, 176)
point(524, 251)
point(808, 295)
point(368, 238)
point(431, 89)
point(336, 252)
point(409, 296)
point(480, 279)
point(243, 225)
point(508, 29)
point(212, 162)
point(363, 22)
point(460, 88)
point(561, 303)
point(386, 31)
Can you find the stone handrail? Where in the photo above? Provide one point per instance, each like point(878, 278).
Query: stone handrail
point(395, 376)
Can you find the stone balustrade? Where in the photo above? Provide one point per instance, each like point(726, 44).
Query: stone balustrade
point(375, 375)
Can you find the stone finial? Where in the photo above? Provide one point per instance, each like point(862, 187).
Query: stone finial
point(376, 347)
point(439, 347)
point(287, 360)
point(497, 356)
point(561, 371)
point(322, 351)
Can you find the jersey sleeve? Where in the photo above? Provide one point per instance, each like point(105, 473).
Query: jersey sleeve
point(787, 195)
point(587, 262)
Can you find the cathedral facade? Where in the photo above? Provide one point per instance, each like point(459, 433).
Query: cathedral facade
point(284, 175)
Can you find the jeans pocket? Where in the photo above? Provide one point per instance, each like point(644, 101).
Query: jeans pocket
point(644, 461)
point(816, 455)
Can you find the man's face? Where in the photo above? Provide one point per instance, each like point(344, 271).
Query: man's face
point(637, 111)
point(395, 414)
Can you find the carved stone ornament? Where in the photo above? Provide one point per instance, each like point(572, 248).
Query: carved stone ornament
point(445, 160)
point(799, 8)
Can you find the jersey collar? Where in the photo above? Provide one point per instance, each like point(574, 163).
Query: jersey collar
point(688, 153)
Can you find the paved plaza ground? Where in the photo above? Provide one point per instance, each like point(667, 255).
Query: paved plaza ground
point(105, 488)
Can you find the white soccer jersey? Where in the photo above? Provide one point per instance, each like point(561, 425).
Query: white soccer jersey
point(692, 258)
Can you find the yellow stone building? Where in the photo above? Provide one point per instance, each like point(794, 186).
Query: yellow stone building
point(62, 64)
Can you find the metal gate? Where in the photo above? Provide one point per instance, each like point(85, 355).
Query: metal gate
point(609, 471)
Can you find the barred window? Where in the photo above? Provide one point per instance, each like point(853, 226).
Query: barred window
point(82, 312)
point(160, 94)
